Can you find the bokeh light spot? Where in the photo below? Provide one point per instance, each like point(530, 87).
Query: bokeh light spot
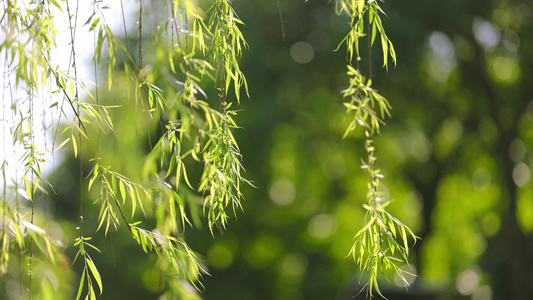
point(419, 146)
point(282, 192)
point(302, 52)
point(412, 204)
point(521, 174)
point(467, 282)
point(441, 44)
point(322, 226)
point(442, 60)
point(453, 129)
point(481, 179)
point(517, 150)
point(484, 292)
point(490, 224)
point(294, 264)
point(487, 34)
point(220, 256)
point(505, 69)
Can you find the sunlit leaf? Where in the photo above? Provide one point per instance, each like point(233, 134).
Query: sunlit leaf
point(95, 273)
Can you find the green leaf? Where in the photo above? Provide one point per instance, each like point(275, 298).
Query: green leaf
point(392, 52)
point(29, 191)
point(360, 5)
point(54, 2)
point(80, 288)
point(74, 146)
point(404, 238)
point(122, 190)
point(95, 273)
point(374, 31)
point(366, 227)
point(94, 24)
point(385, 48)
point(99, 43)
point(172, 208)
point(92, 246)
point(185, 175)
point(110, 70)
point(103, 213)
point(392, 227)
point(171, 62)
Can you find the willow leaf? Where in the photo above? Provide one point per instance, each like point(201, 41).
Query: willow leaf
point(95, 273)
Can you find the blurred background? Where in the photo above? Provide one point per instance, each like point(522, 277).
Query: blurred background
point(456, 155)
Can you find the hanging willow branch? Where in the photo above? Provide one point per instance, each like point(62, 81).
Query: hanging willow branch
point(29, 35)
point(382, 244)
point(222, 177)
point(193, 129)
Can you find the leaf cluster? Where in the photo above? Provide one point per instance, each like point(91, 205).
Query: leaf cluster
point(90, 272)
point(113, 188)
point(366, 105)
point(177, 258)
point(17, 232)
point(194, 131)
point(356, 11)
point(227, 45)
point(381, 244)
point(222, 173)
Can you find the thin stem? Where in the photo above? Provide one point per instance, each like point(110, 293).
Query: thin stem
point(124, 25)
point(221, 70)
point(172, 17)
point(116, 201)
point(375, 180)
point(81, 189)
point(16, 180)
point(186, 23)
point(95, 61)
point(140, 35)
point(370, 141)
point(369, 47)
point(185, 64)
point(141, 65)
point(122, 214)
point(222, 87)
point(281, 19)
point(77, 111)
point(4, 143)
point(31, 196)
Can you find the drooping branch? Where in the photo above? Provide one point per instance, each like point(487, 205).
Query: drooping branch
point(383, 240)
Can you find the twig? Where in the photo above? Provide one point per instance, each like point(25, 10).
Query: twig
point(281, 19)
